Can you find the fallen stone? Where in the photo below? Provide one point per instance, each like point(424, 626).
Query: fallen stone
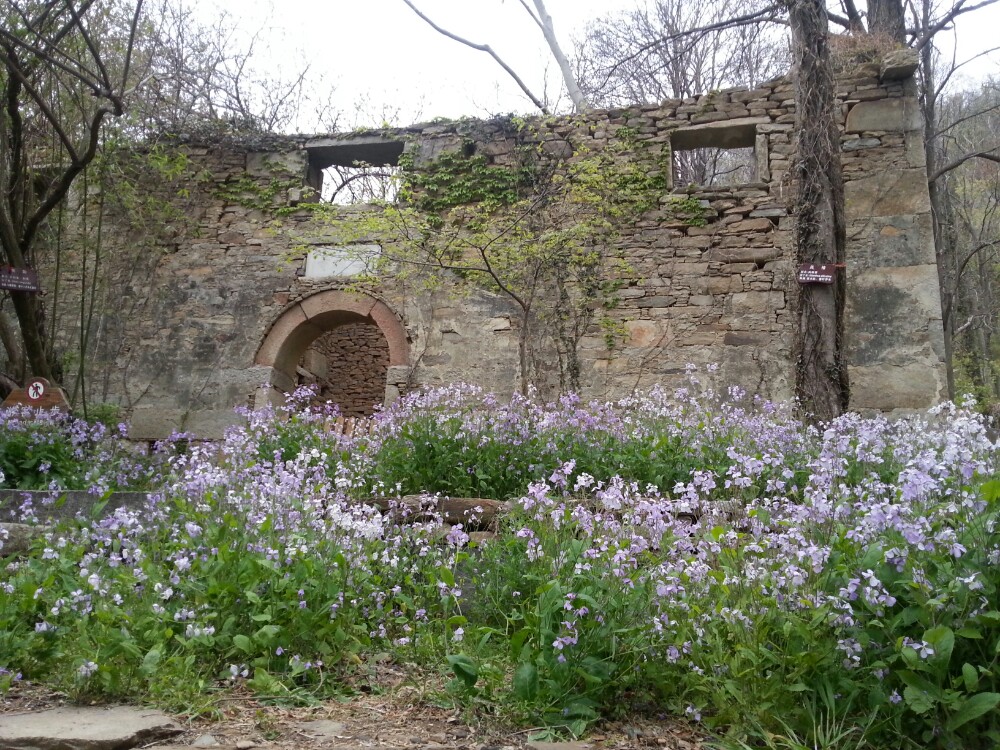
point(206, 740)
point(474, 511)
point(85, 728)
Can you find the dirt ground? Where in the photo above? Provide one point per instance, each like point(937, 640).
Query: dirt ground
point(386, 711)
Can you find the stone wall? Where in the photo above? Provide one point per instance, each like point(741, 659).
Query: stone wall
point(216, 307)
point(349, 366)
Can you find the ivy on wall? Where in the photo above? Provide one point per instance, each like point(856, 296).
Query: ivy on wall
point(538, 229)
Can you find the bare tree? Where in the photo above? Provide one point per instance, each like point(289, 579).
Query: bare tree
point(540, 16)
point(59, 86)
point(967, 217)
point(673, 49)
point(196, 75)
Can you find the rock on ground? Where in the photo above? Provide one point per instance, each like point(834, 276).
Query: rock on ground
point(85, 728)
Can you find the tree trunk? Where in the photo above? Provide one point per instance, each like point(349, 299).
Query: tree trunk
point(569, 78)
point(886, 19)
point(821, 369)
point(12, 345)
point(29, 321)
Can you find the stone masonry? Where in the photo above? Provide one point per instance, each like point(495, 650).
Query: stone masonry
point(349, 365)
point(218, 305)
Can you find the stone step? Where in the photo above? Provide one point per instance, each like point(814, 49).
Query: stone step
point(85, 728)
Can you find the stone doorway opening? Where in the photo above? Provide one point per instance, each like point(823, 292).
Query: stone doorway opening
point(348, 366)
point(353, 346)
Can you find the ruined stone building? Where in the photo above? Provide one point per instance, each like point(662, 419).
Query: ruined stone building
point(230, 293)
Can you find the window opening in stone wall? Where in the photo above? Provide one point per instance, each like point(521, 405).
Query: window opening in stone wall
point(361, 183)
point(714, 154)
point(354, 170)
point(348, 365)
point(715, 166)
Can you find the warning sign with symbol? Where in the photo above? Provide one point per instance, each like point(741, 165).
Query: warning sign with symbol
point(41, 394)
point(36, 389)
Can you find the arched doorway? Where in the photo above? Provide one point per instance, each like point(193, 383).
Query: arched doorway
point(337, 325)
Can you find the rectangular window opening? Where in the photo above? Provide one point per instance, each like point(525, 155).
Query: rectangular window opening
point(360, 183)
point(355, 169)
point(715, 167)
point(715, 154)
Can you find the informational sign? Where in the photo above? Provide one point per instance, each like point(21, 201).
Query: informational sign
point(39, 393)
point(816, 273)
point(19, 279)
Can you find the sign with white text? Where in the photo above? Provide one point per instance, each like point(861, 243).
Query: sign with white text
point(19, 279)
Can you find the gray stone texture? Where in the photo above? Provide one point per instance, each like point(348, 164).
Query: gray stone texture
point(900, 114)
point(85, 728)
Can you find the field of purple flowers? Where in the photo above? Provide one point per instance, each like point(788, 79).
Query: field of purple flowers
point(691, 552)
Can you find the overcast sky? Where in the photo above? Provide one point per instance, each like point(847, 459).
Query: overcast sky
point(378, 53)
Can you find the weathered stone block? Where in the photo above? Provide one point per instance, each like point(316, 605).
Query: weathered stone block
point(901, 114)
point(898, 241)
point(656, 301)
point(899, 64)
point(644, 333)
point(744, 254)
point(276, 164)
point(907, 386)
point(891, 193)
point(859, 144)
point(890, 311)
point(751, 225)
point(746, 338)
point(757, 302)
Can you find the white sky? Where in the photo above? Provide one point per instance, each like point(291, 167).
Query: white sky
point(379, 53)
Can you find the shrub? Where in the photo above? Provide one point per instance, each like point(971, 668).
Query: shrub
point(44, 449)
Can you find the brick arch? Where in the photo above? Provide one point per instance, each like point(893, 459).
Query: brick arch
point(306, 320)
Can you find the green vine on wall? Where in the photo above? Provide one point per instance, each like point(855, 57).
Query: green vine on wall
point(686, 209)
point(458, 178)
point(269, 196)
point(538, 229)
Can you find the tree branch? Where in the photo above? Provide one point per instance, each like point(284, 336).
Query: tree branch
point(530, 12)
point(15, 70)
point(956, 10)
point(770, 13)
point(78, 21)
point(988, 155)
point(482, 48)
point(964, 118)
point(853, 16)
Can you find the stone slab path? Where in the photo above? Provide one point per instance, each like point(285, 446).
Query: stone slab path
point(85, 728)
point(404, 719)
